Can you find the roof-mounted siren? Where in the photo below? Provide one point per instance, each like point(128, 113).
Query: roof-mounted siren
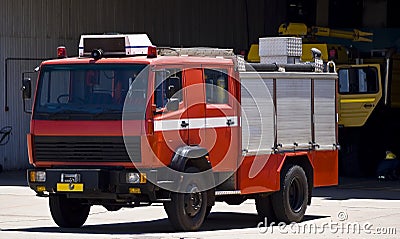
point(318, 62)
point(61, 52)
point(113, 45)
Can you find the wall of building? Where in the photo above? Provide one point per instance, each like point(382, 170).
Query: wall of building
point(34, 29)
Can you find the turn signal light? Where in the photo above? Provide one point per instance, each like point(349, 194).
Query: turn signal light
point(149, 127)
point(37, 176)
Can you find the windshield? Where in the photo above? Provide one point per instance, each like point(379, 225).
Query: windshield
point(87, 92)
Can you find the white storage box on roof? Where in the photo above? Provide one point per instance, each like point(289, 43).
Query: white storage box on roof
point(279, 59)
point(119, 44)
point(280, 46)
point(281, 50)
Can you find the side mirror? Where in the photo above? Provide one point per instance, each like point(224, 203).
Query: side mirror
point(26, 88)
point(172, 104)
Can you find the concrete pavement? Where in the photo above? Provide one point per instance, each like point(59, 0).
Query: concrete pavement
point(356, 209)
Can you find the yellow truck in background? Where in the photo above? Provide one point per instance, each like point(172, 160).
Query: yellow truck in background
point(368, 95)
point(369, 110)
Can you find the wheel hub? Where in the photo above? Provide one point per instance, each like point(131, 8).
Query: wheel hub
point(296, 195)
point(193, 201)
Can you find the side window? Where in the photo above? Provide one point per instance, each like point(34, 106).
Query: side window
point(362, 80)
point(168, 84)
point(216, 86)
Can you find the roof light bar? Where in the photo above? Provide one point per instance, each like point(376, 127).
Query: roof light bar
point(117, 45)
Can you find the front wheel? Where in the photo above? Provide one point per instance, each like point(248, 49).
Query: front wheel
point(290, 202)
point(264, 208)
point(187, 211)
point(208, 211)
point(67, 212)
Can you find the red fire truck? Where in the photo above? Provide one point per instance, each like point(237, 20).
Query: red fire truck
point(126, 124)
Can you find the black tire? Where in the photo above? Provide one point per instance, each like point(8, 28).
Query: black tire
point(264, 208)
point(112, 208)
point(290, 202)
point(187, 211)
point(208, 211)
point(68, 213)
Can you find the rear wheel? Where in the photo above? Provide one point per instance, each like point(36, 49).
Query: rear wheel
point(290, 202)
point(187, 211)
point(67, 212)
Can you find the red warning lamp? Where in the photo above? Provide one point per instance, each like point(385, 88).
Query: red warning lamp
point(333, 54)
point(61, 52)
point(151, 52)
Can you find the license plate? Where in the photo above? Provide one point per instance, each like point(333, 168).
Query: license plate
point(69, 187)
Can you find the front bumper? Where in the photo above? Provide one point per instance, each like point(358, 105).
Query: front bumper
point(96, 184)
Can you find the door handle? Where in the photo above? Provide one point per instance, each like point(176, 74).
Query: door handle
point(184, 124)
point(368, 105)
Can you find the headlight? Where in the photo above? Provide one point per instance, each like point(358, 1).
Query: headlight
point(136, 178)
point(133, 178)
point(37, 176)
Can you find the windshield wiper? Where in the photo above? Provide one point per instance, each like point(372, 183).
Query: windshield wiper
point(52, 115)
point(108, 113)
point(61, 114)
point(67, 113)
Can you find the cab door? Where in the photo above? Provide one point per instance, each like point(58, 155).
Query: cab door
point(222, 118)
point(195, 106)
point(171, 129)
point(360, 90)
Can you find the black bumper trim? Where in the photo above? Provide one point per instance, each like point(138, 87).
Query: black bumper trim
point(99, 184)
